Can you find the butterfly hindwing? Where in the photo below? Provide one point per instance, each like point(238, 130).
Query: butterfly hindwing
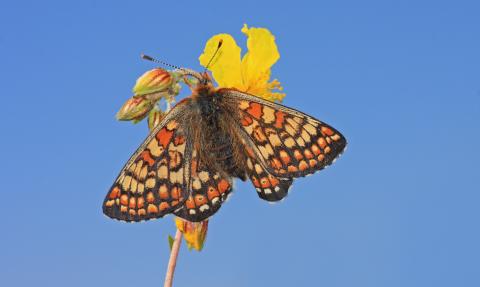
point(154, 180)
point(269, 187)
point(208, 190)
point(290, 143)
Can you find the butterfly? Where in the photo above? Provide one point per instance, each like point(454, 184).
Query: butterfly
point(187, 164)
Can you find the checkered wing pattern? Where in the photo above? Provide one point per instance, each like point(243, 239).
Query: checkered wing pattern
point(284, 143)
point(154, 181)
point(209, 189)
point(268, 186)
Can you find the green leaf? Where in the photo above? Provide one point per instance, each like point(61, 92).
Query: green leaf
point(170, 242)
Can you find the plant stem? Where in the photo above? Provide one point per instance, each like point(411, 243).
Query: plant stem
point(172, 262)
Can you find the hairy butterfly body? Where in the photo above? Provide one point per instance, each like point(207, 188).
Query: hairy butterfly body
point(188, 162)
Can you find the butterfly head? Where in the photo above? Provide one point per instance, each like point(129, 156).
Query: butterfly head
point(206, 79)
point(205, 85)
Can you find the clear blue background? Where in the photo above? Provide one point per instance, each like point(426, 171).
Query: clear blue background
point(401, 79)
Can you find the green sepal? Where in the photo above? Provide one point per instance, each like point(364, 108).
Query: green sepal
point(171, 240)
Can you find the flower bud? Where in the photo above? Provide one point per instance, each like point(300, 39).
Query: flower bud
point(194, 233)
point(153, 81)
point(154, 118)
point(135, 109)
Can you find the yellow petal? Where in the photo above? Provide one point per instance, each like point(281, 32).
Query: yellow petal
point(226, 65)
point(194, 233)
point(262, 54)
point(274, 96)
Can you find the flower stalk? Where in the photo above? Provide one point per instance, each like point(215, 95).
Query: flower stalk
point(172, 262)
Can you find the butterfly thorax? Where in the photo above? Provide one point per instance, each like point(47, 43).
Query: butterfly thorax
point(204, 89)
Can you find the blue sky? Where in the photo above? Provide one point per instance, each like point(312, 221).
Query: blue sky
point(400, 79)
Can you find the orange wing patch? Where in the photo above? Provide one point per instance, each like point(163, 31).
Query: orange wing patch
point(154, 181)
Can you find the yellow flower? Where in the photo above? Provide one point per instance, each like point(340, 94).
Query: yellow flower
point(194, 233)
point(250, 74)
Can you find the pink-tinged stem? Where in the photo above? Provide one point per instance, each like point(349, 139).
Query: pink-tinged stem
point(172, 262)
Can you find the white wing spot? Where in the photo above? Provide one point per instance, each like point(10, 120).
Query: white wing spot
point(204, 207)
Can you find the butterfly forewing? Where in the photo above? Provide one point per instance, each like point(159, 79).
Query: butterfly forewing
point(290, 143)
point(154, 181)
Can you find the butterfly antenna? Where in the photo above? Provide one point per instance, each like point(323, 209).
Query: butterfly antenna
point(214, 54)
point(185, 71)
point(151, 59)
